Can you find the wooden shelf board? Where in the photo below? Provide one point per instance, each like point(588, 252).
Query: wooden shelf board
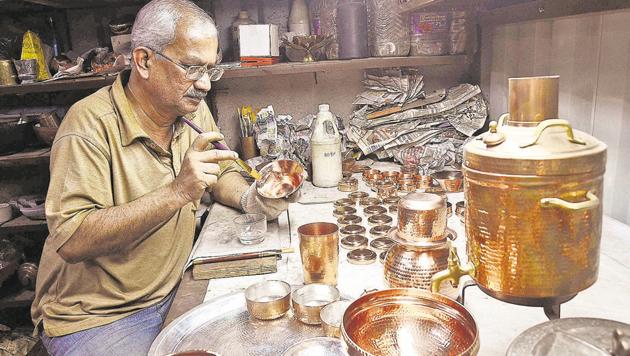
point(58, 85)
point(41, 155)
point(23, 224)
point(342, 65)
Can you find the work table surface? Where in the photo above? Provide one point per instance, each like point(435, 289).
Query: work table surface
point(498, 322)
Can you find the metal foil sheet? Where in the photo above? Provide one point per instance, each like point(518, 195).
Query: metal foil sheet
point(224, 326)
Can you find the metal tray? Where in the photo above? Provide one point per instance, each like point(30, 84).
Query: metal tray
point(223, 325)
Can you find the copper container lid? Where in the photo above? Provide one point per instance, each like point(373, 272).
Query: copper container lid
point(361, 256)
point(380, 231)
point(421, 201)
point(348, 220)
point(353, 242)
point(531, 141)
point(382, 244)
point(352, 230)
point(374, 210)
point(379, 219)
point(344, 210)
point(344, 202)
point(369, 201)
point(391, 200)
point(382, 256)
point(356, 196)
point(348, 184)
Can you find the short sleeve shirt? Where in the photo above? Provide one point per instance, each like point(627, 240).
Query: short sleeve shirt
point(102, 158)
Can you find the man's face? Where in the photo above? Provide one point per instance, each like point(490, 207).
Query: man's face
point(175, 94)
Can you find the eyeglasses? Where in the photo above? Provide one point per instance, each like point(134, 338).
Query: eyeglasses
point(195, 73)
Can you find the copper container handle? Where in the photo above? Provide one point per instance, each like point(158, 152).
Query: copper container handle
point(592, 201)
point(452, 234)
point(554, 123)
point(454, 272)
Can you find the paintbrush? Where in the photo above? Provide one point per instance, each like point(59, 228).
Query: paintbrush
point(243, 256)
point(218, 145)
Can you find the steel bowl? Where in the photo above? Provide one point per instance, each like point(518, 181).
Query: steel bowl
point(331, 316)
point(280, 179)
point(356, 196)
point(408, 321)
point(309, 300)
point(450, 181)
point(268, 300)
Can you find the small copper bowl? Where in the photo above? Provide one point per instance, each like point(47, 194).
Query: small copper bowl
point(450, 181)
point(380, 219)
point(348, 184)
point(354, 242)
point(331, 316)
point(308, 301)
point(352, 230)
point(362, 256)
point(348, 220)
point(374, 210)
point(356, 196)
point(372, 180)
point(343, 211)
point(268, 299)
point(369, 201)
point(391, 175)
point(369, 172)
point(382, 244)
point(391, 200)
point(382, 183)
point(386, 191)
point(280, 179)
point(380, 231)
point(344, 202)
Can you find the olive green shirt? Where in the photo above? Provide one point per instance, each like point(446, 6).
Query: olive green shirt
point(101, 158)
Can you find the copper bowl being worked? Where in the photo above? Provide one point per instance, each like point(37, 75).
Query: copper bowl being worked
point(450, 181)
point(408, 321)
point(309, 300)
point(268, 300)
point(280, 178)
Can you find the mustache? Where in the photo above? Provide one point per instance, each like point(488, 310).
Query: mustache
point(195, 93)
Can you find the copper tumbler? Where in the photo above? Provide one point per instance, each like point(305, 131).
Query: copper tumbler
point(319, 249)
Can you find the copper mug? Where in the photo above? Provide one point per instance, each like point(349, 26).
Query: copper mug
point(319, 249)
point(422, 217)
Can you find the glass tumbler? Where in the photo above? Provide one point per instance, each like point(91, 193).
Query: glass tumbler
point(250, 228)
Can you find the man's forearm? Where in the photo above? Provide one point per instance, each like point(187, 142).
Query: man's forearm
point(229, 189)
point(110, 230)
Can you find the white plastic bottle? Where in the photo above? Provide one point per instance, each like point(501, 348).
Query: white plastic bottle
point(326, 149)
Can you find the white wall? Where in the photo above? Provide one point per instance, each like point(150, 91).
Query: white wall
point(591, 53)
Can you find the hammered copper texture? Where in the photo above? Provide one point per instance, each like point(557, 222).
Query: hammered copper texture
point(421, 225)
point(408, 322)
point(319, 250)
point(412, 267)
point(524, 251)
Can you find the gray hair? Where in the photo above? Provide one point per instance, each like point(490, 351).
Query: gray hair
point(156, 22)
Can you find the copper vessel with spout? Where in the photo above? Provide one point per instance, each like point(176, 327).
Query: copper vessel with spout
point(533, 190)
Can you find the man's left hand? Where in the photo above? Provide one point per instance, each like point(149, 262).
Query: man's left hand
point(252, 202)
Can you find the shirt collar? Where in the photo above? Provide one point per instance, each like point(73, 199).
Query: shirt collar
point(130, 128)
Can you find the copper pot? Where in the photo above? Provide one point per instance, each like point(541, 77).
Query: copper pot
point(268, 300)
point(422, 217)
point(408, 321)
point(533, 187)
point(309, 300)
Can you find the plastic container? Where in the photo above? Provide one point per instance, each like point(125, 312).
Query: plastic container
point(429, 33)
point(298, 18)
point(326, 149)
point(388, 33)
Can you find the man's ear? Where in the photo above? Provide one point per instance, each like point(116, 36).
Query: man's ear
point(142, 61)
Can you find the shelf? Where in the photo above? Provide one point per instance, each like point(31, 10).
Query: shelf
point(342, 65)
point(38, 156)
point(414, 5)
point(58, 85)
point(23, 224)
point(242, 72)
point(73, 4)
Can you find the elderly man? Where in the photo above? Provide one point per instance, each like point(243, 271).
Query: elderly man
point(126, 178)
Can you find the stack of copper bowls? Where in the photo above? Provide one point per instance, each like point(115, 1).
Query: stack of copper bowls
point(422, 247)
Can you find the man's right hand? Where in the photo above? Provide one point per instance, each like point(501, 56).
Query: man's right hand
point(200, 168)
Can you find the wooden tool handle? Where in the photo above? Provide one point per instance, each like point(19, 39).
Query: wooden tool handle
point(381, 113)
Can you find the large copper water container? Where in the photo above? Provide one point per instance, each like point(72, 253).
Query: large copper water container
point(533, 190)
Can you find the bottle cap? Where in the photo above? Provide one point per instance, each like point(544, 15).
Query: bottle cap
point(324, 107)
